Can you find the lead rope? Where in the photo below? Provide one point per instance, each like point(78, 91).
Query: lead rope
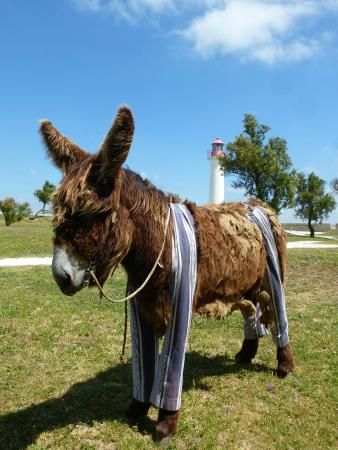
point(123, 358)
point(129, 297)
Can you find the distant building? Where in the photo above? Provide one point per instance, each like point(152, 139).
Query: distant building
point(216, 186)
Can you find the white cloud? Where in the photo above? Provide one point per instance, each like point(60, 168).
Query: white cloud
point(136, 8)
point(270, 31)
point(129, 10)
point(133, 9)
point(295, 51)
point(256, 29)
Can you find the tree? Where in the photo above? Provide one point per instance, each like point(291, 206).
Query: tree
point(44, 194)
point(13, 211)
point(334, 185)
point(263, 169)
point(312, 203)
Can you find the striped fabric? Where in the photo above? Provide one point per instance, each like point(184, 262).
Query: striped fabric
point(279, 329)
point(158, 377)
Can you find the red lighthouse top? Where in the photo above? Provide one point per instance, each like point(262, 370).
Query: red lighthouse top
point(217, 147)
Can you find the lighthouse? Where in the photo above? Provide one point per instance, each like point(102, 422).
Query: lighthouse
point(216, 186)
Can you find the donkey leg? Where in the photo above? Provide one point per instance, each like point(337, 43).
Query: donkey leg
point(279, 331)
point(166, 426)
point(248, 351)
point(277, 318)
point(253, 330)
point(137, 411)
point(144, 361)
point(286, 362)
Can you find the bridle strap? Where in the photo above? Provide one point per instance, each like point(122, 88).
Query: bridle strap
point(157, 262)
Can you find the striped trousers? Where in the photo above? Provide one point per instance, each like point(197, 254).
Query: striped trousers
point(158, 375)
point(253, 329)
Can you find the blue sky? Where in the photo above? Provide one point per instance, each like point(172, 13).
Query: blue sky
point(189, 69)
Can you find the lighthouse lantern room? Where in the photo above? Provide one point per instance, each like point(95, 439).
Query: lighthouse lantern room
point(216, 187)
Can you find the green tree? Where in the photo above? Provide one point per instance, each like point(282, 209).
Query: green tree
point(263, 167)
point(13, 211)
point(44, 195)
point(312, 203)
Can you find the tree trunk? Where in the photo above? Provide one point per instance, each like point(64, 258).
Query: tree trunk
point(37, 213)
point(312, 230)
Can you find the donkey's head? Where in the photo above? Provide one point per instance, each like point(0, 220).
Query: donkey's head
point(91, 226)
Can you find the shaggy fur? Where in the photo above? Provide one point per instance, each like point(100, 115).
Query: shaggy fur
point(108, 215)
point(125, 225)
point(231, 254)
point(68, 153)
point(166, 426)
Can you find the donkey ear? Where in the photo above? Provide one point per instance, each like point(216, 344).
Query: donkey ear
point(63, 152)
point(115, 148)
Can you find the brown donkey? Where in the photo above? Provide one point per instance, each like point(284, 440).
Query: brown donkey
point(105, 215)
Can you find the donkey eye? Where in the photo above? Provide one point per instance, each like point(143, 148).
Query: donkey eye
point(78, 219)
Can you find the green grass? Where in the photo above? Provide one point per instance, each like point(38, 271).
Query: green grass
point(325, 227)
point(34, 238)
point(26, 238)
point(62, 385)
point(318, 237)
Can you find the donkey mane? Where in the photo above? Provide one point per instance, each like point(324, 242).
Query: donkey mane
point(80, 194)
point(146, 198)
point(80, 201)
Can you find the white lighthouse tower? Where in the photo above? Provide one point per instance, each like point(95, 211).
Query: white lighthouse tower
point(216, 187)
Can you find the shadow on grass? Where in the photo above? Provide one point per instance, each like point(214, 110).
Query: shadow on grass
point(102, 398)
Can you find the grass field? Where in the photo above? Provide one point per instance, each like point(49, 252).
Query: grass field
point(62, 385)
point(34, 238)
point(26, 238)
point(318, 237)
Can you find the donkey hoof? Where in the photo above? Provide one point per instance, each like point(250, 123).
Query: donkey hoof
point(248, 351)
point(283, 370)
point(166, 427)
point(286, 362)
point(136, 411)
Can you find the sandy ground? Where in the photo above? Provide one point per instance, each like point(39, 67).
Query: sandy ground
point(13, 262)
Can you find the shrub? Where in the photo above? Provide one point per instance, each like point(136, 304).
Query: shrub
point(13, 211)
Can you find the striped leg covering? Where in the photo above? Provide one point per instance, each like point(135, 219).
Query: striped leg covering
point(158, 377)
point(279, 330)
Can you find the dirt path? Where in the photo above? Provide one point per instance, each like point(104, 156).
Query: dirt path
point(311, 244)
point(47, 261)
point(13, 262)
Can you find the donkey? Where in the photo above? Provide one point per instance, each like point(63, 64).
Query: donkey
point(105, 215)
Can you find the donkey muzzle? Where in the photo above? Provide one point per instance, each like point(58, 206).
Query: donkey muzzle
point(69, 274)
